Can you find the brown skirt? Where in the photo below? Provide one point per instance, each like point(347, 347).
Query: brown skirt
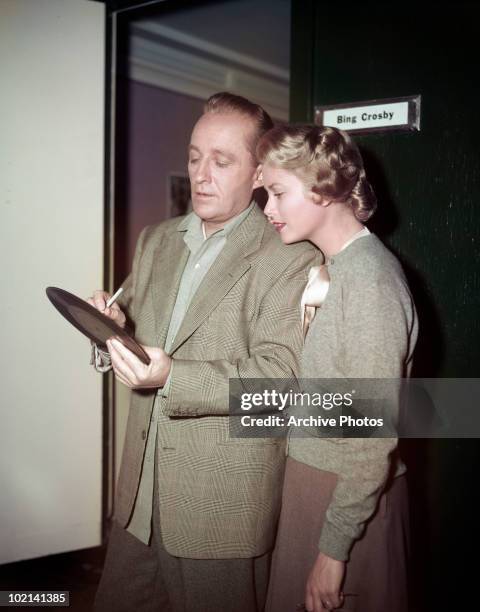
point(376, 572)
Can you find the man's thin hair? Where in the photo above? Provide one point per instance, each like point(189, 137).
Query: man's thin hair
point(226, 102)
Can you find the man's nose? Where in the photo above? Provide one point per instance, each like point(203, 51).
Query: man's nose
point(203, 172)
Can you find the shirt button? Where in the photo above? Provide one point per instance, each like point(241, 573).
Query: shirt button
point(144, 434)
point(197, 266)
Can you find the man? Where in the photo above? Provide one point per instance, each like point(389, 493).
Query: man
point(213, 295)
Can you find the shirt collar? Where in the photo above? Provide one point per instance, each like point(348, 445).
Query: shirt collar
point(192, 224)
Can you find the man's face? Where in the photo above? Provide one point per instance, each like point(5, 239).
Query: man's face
point(222, 170)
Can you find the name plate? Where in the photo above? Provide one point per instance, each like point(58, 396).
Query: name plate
point(372, 116)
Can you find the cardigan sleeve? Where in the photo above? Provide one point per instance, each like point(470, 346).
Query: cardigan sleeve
point(377, 323)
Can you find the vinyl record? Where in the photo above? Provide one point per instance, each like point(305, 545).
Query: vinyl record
point(91, 322)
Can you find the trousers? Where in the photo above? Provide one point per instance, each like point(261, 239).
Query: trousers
point(141, 578)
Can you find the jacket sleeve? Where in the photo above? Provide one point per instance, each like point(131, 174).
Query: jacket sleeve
point(202, 387)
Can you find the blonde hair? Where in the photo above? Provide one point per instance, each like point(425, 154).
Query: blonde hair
point(325, 159)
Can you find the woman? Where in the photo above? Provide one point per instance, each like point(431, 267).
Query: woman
point(343, 526)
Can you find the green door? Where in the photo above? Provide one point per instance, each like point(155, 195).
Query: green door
point(428, 186)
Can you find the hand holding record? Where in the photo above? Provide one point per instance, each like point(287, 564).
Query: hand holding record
point(135, 374)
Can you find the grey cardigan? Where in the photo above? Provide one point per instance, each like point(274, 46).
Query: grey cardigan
point(366, 328)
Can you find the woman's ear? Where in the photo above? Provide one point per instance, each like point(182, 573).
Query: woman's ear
point(257, 177)
point(318, 199)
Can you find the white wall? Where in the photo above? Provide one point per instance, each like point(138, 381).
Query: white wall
point(51, 233)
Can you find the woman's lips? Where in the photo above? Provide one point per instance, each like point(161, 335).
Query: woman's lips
point(278, 226)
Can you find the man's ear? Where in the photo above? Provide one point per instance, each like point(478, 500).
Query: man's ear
point(257, 177)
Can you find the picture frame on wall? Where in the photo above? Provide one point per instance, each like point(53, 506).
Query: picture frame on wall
point(178, 194)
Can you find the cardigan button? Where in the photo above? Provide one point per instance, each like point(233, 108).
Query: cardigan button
point(144, 434)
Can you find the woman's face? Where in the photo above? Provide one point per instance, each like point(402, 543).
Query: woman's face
point(290, 208)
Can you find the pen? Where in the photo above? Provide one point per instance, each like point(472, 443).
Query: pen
point(114, 297)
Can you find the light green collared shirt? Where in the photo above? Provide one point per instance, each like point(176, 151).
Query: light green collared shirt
point(203, 252)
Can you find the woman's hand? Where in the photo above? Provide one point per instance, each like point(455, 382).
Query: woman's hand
point(322, 591)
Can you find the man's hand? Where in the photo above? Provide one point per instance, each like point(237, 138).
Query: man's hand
point(322, 591)
point(99, 301)
point(132, 372)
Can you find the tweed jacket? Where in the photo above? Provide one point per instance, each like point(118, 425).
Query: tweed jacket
point(219, 497)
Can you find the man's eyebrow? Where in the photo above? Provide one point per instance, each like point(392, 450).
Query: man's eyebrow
point(275, 186)
point(226, 154)
point(220, 152)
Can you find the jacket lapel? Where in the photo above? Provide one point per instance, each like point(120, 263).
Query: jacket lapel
point(169, 261)
point(230, 265)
